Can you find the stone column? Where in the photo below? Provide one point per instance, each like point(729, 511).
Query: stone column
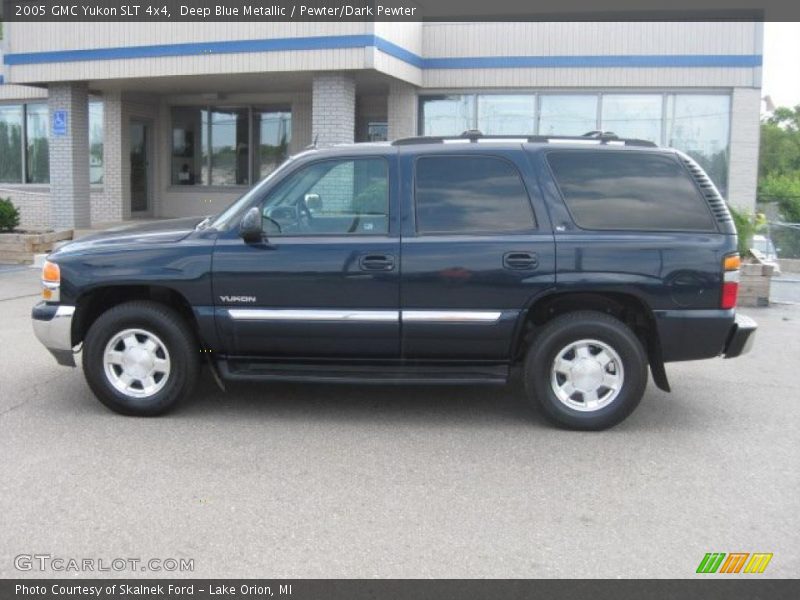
point(402, 108)
point(115, 204)
point(70, 205)
point(745, 132)
point(333, 109)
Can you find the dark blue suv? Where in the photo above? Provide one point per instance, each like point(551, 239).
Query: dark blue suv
point(428, 260)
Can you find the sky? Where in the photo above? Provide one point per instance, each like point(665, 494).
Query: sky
point(781, 72)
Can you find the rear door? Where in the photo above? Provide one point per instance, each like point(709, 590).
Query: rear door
point(477, 247)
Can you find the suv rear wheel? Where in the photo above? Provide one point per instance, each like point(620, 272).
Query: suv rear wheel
point(586, 370)
point(140, 358)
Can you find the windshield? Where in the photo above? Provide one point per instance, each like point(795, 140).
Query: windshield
point(233, 213)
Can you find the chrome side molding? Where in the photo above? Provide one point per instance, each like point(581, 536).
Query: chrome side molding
point(366, 316)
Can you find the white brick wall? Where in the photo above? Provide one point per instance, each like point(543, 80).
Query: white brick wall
point(69, 172)
point(33, 205)
point(333, 109)
point(402, 108)
point(745, 134)
point(109, 206)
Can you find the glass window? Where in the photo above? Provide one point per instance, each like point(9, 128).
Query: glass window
point(211, 145)
point(229, 146)
point(11, 144)
point(95, 142)
point(633, 116)
point(188, 156)
point(447, 115)
point(377, 131)
point(629, 190)
point(470, 194)
point(37, 153)
point(699, 124)
point(272, 133)
point(332, 197)
point(511, 114)
point(567, 115)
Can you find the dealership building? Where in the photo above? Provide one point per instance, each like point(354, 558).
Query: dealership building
point(103, 122)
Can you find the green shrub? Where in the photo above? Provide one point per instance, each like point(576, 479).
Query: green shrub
point(745, 228)
point(9, 215)
point(785, 190)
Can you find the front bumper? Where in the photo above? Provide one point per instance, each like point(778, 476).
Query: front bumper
point(740, 339)
point(52, 324)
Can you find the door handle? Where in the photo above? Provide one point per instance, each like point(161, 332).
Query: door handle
point(520, 260)
point(376, 262)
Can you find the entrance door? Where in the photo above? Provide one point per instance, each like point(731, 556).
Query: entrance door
point(140, 166)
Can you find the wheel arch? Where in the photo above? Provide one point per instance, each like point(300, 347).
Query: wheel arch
point(96, 301)
point(628, 308)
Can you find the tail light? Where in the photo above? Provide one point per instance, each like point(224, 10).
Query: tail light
point(51, 281)
point(730, 280)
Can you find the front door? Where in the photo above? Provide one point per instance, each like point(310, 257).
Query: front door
point(324, 283)
point(140, 166)
point(474, 253)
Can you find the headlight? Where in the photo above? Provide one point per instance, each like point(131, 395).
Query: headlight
point(51, 282)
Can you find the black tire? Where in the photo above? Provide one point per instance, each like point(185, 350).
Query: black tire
point(570, 328)
point(170, 328)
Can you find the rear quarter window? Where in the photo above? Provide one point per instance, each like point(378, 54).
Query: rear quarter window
point(629, 191)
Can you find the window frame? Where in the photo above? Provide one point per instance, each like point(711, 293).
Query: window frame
point(23, 105)
point(309, 164)
point(669, 156)
point(251, 153)
point(481, 233)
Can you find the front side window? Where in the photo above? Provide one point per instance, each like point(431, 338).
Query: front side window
point(629, 191)
point(331, 197)
point(470, 194)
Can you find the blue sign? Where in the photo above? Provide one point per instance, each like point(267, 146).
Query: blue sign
point(59, 122)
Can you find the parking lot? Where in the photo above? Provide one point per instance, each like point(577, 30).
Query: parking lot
point(318, 481)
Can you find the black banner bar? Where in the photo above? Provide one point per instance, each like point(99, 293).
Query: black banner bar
point(713, 587)
point(396, 10)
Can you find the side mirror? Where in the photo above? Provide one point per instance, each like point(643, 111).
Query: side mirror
point(313, 202)
point(250, 229)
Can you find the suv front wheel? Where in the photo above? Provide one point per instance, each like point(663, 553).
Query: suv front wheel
point(586, 370)
point(140, 358)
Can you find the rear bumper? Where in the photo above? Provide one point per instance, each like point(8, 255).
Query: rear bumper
point(699, 334)
point(52, 325)
point(741, 337)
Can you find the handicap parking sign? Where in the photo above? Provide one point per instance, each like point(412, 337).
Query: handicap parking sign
point(59, 122)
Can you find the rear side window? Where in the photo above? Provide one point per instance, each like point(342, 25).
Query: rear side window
point(629, 190)
point(470, 194)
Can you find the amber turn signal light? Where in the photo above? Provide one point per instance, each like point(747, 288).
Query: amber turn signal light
point(51, 273)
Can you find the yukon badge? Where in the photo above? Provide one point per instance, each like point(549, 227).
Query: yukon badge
point(238, 299)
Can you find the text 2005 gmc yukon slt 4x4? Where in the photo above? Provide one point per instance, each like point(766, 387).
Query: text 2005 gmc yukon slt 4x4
point(428, 260)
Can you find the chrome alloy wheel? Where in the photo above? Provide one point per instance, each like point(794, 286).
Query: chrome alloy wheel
point(136, 363)
point(587, 375)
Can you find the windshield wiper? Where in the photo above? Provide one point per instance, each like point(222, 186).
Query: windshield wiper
point(203, 224)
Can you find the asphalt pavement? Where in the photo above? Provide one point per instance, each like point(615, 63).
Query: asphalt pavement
point(295, 481)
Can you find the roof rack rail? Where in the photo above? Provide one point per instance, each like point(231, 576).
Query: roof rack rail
point(474, 136)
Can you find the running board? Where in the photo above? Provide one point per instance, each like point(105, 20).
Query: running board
point(237, 370)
